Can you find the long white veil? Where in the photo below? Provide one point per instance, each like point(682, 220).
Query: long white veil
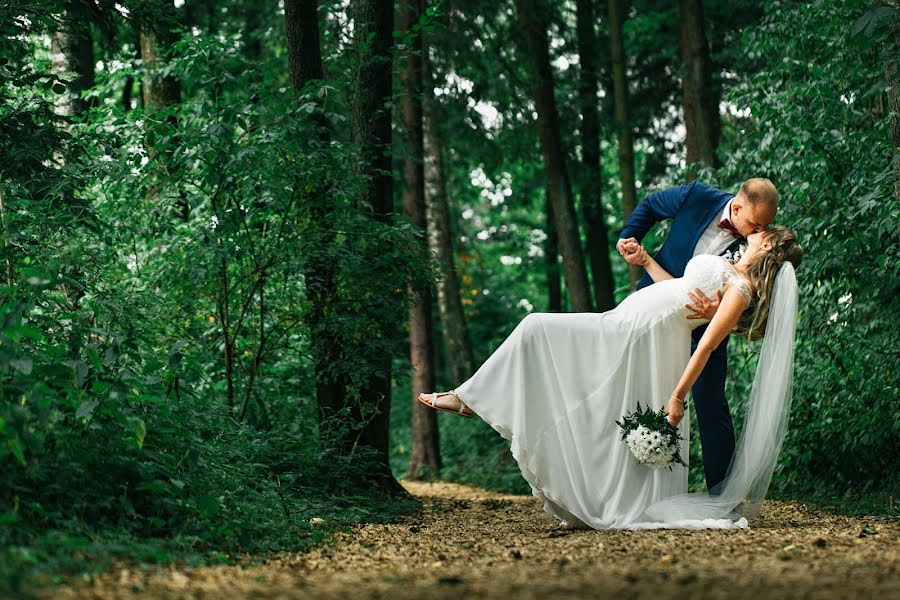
point(740, 494)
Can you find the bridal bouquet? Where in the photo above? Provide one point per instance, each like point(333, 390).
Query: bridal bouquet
point(651, 438)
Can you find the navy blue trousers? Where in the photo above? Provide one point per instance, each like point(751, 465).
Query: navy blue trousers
point(713, 416)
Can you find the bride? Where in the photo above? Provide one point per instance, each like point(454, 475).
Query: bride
point(558, 383)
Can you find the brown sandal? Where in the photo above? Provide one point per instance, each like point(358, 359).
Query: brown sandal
point(430, 402)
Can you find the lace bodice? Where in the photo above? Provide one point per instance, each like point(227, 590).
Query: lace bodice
point(712, 273)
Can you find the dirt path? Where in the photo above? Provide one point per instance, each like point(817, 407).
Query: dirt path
point(473, 543)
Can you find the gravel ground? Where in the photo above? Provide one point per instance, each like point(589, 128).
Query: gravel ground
point(473, 543)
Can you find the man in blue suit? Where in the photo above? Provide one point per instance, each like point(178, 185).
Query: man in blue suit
point(706, 220)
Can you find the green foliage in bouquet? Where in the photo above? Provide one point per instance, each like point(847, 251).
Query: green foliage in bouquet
point(654, 421)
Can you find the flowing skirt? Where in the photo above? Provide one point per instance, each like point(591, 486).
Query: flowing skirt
point(558, 383)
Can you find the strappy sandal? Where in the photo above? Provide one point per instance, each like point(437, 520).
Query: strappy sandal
point(432, 397)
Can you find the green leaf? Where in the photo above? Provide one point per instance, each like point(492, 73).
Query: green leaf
point(86, 410)
point(22, 365)
point(209, 506)
point(140, 430)
point(15, 446)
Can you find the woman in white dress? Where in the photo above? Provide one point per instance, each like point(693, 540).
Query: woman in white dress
point(558, 383)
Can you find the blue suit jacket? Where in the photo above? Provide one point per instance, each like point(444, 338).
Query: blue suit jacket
point(692, 206)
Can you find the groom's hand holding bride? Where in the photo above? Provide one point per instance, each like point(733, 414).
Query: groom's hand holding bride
point(632, 252)
point(703, 306)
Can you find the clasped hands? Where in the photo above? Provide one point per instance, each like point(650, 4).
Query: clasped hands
point(701, 306)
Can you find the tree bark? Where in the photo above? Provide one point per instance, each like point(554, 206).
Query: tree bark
point(72, 57)
point(532, 24)
point(370, 120)
point(301, 19)
point(551, 259)
point(425, 460)
point(455, 328)
point(591, 183)
point(159, 90)
point(698, 97)
point(622, 117)
point(305, 62)
point(892, 74)
point(158, 93)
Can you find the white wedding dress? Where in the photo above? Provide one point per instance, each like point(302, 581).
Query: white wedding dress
point(558, 383)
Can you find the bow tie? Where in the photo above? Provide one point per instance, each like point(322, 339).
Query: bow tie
point(726, 224)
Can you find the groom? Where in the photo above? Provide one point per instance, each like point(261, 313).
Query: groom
point(706, 220)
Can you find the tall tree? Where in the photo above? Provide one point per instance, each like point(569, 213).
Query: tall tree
point(455, 328)
point(160, 92)
point(551, 258)
point(72, 56)
point(891, 53)
point(624, 130)
point(305, 62)
point(370, 120)
point(425, 459)
point(591, 180)
point(532, 21)
point(72, 59)
point(159, 89)
point(701, 109)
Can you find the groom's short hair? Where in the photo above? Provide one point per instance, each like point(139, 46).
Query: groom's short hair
point(760, 189)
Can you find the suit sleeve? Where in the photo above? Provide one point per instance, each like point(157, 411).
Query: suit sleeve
point(658, 206)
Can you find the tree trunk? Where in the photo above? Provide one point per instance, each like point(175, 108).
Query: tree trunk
point(128, 88)
point(72, 57)
point(253, 33)
point(425, 460)
point(159, 91)
point(698, 96)
point(455, 329)
point(622, 117)
point(591, 184)
point(301, 19)
point(892, 74)
point(305, 62)
point(551, 259)
point(370, 121)
point(533, 25)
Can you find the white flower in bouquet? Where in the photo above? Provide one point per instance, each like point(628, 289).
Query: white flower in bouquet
point(651, 438)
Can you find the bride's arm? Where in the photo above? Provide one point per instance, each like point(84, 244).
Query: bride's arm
point(732, 305)
point(653, 268)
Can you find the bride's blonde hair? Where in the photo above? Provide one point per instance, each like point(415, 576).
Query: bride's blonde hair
point(762, 271)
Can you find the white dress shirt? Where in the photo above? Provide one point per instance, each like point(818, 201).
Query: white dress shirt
point(714, 240)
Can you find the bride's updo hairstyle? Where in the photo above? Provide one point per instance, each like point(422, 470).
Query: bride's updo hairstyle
point(762, 271)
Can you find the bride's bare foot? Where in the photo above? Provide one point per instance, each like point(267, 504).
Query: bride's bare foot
point(446, 401)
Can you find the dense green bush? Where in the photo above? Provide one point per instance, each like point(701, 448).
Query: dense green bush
point(128, 237)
